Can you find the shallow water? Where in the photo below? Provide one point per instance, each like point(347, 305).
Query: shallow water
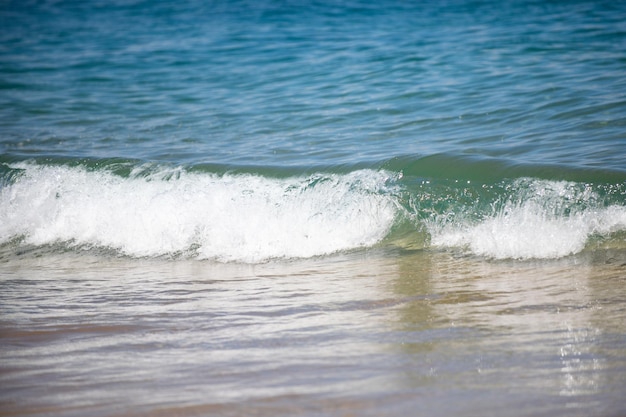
point(368, 334)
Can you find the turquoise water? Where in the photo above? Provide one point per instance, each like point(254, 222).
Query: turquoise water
point(302, 85)
point(464, 108)
point(430, 196)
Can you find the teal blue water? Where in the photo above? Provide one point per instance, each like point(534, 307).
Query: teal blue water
point(308, 84)
point(464, 107)
point(429, 94)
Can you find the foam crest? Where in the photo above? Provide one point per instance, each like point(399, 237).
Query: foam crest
point(540, 219)
point(243, 218)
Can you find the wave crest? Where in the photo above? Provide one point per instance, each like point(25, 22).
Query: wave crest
point(245, 218)
point(153, 211)
point(536, 219)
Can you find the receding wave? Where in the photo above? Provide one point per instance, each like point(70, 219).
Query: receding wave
point(154, 211)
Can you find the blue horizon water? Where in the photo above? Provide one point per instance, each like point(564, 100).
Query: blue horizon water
point(325, 83)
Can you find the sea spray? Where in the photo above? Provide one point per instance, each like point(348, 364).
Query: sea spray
point(155, 210)
point(529, 218)
point(244, 217)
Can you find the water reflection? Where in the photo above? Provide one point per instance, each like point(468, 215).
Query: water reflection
point(151, 333)
point(519, 326)
point(431, 333)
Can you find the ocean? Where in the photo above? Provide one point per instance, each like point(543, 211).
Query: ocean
point(312, 208)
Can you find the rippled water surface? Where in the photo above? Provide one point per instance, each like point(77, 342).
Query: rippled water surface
point(418, 333)
point(294, 83)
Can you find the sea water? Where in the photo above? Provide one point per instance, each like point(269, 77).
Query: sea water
point(315, 208)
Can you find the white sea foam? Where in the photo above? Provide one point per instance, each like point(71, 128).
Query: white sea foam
point(244, 218)
point(251, 218)
point(541, 219)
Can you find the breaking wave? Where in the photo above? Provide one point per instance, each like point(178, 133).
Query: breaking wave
point(155, 211)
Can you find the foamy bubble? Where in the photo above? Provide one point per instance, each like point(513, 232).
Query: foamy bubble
point(246, 218)
point(541, 219)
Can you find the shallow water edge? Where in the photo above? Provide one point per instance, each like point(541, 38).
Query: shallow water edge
point(423, 332)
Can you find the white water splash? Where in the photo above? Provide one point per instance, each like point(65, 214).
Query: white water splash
point(243, 218)
point(542, 220)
